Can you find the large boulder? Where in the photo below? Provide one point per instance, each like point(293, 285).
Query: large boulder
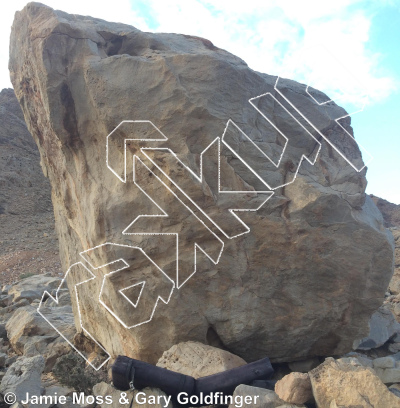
point(317, 260)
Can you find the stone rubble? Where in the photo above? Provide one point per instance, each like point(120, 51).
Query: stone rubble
point(28, 345)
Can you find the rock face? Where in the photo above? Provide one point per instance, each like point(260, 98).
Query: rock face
point(317, 260)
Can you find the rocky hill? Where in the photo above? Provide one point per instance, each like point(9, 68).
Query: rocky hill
point(390, 211)
point(28, 242)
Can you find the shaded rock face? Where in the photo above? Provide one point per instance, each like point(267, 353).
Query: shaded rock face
point(317, 260)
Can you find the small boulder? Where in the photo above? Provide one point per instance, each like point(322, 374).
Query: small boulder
point(294, 388)
point(382, 326)
point(198, 360)
point(245, 396)
point(26, 326)
point(384, 362)
point(388, 375)
point(33, 287)
point(361, 359)
point(344, 384)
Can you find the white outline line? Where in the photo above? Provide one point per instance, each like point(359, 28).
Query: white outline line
point(215, 261)
point(140, 140)
point(200, 177)
point(303, 157)
point(120, 269)
point(325, 137)
point(143, 283)
point(55, 299)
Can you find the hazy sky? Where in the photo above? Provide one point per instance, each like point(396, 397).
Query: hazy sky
point(347, 48)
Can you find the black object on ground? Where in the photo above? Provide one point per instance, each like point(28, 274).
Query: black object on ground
point(128, 373)
point(266, 384)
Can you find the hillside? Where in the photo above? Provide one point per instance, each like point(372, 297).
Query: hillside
point(28, 243)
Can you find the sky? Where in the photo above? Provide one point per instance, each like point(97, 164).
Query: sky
point(348, 49)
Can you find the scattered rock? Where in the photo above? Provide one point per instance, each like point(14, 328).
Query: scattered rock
point(361, 358)
point(3, 331)
point(3, 359)
point(395, 389)
point(23, 376)
point(294, 388)
point(5, 300)
point(388, 375)
point(349, 385)
point(30, 334)
point(382, 326)
point(384, 362)
point(394, 347)
point(53, 351)
point(198, 360)
point(103, 389)
point(266, 398)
